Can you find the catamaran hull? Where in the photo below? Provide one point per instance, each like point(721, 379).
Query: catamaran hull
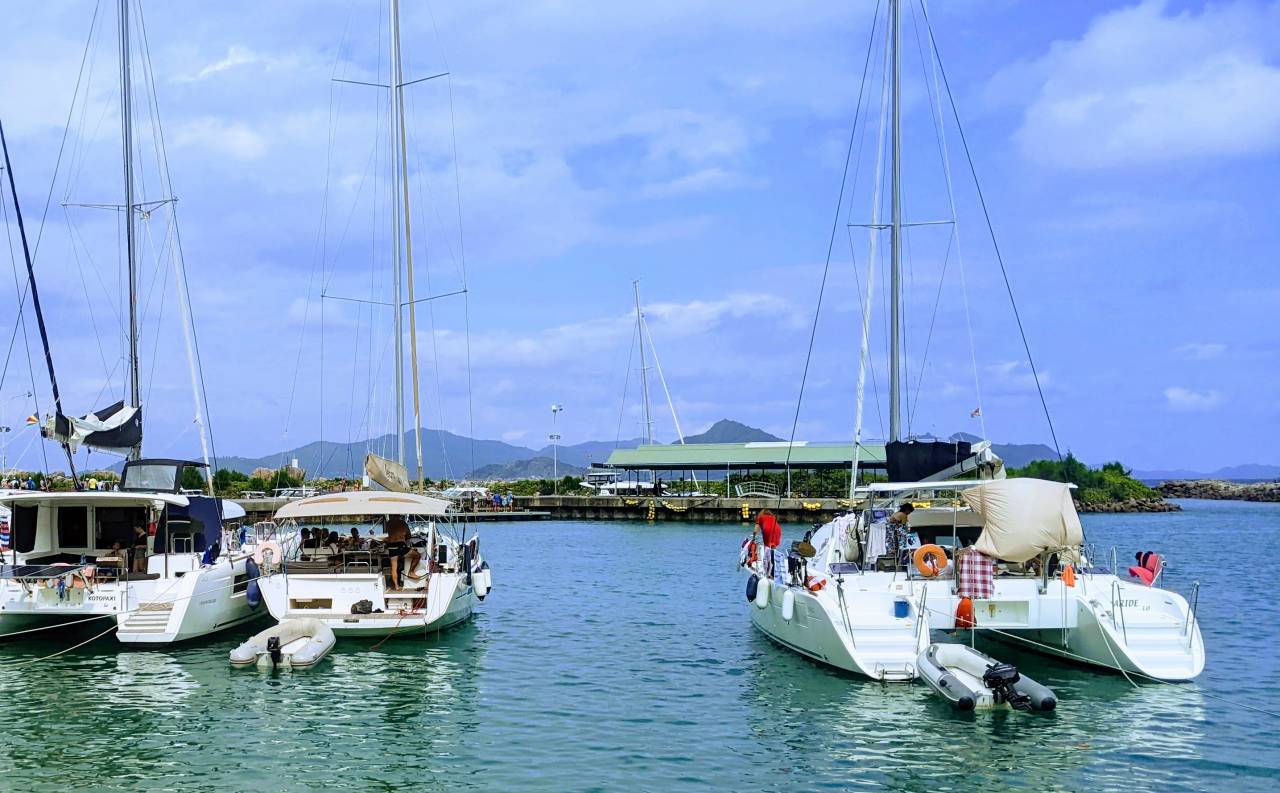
point(202, 602)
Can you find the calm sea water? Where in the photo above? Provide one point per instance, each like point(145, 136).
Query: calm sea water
point(621, 657)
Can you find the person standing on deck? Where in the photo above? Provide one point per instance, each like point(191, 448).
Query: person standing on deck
point(768, 527)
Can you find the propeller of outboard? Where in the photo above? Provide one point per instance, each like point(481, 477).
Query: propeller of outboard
point(273, 649)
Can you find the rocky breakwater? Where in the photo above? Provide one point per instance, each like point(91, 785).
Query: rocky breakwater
point(1220, 490)
point(1128, 505)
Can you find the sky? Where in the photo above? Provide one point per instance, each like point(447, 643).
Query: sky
point(1127, 154)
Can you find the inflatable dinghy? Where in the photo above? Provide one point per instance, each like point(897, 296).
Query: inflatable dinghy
point(292, 644)
point(969, 679)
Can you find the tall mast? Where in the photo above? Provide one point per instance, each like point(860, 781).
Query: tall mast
point(397, 88)
point(130, 234)
point(397, 303)
point(644, 369)
point(895, 234)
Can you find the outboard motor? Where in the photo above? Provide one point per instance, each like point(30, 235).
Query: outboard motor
point(273, 650)
point(1000, 678)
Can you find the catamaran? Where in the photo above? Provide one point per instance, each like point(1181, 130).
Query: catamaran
point(151, 560)
point(1005, 558)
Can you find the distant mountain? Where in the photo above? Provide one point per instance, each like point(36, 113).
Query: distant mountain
point(447, 455)
point(729, 431)
point(1248, 471)
point(534, 468)
point(584, 454)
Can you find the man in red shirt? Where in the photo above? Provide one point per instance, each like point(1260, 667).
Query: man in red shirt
point(769, 529)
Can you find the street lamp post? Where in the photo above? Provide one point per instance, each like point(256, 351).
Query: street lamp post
point(4, 449)
point(555, 450)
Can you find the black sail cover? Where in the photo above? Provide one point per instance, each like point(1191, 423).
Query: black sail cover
point(115, 429)
point(913, 460)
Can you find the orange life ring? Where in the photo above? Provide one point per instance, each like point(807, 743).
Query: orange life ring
point(930, 567)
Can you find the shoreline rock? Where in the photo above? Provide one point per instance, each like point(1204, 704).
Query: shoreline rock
point(1129, 505)
point(1220, 490)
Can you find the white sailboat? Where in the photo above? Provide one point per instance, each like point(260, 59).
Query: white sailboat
point(855, 605)
point(68, 562)
point(435, 578)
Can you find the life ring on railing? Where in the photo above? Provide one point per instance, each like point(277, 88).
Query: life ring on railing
point(930, 560)
point(268, 547)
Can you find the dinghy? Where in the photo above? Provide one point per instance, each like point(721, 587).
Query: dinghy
point(969, 679)
point(292, 644)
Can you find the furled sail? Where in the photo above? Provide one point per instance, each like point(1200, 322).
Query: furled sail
point(388, 473)
point(116, 429)
point(1022, 517)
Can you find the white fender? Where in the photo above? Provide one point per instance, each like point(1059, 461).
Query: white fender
point(788, 604)
point(482, 582)
point(762, 593)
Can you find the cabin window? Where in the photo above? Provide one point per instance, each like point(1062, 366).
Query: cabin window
point(73, 527)
point(115, 524)
point(241, 584)
point(24, 528)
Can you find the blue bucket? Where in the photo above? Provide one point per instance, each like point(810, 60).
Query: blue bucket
point(901, 608)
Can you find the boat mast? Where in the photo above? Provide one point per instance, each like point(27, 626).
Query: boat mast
point(130, 233)
point(644, 369)
point(398, 134)
point(397, 302)
point(895, 233)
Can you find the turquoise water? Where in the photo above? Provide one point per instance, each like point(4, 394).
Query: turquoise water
point(621, 657)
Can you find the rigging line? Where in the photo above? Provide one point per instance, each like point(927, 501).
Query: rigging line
point(871, 360)
point(928, 339)
point(35, 249)
point(462, 246)
point(626, 381)
point(1004, 272)
point(180, 260)
point(955, 230)
point(835, 223)
point(76, 236)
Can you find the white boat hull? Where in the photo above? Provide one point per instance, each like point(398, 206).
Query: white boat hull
point(329, 597)
point(203, 601)
point(1102, 621)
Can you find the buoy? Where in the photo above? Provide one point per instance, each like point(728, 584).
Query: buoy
point(253, 592)
point(753, 584)
point(762, 593)
point(930, 560)
point(964, 614)
point(788, 604)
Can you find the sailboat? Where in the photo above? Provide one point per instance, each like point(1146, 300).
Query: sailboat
point(865, 591)
point(80, 557)
point(434, 578)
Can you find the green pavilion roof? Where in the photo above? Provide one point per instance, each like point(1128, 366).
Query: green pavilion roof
point(768, 455)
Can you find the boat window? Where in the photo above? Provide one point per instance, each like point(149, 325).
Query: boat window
point(151, 476)
point(73, 527)
point(115, 524)
point(24, 528)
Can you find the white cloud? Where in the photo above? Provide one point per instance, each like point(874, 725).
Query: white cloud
point(236, 56)
point(1146, 85)
point(1201, 351)
point(235, 139)
point(1180, 398)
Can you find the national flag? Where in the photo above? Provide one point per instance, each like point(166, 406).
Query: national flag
point(32, 420)
point(977, 412)
point(4, 534)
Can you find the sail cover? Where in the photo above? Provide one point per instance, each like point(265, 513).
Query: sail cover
point(1022, 517)
point(388, 473)
point(115, 429)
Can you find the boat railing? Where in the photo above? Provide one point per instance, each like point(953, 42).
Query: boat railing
point(1115, 567)
point(1191, 614)
point(922, 613)
point(1117, 610)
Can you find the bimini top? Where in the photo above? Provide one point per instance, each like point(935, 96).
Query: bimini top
point(362, 502)
point(101, 498)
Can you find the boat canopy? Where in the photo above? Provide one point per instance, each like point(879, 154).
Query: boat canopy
point(100, 498)
point(1023, 517)
point(362, 502)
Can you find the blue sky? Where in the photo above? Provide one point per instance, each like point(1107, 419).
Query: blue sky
point(1128, 153)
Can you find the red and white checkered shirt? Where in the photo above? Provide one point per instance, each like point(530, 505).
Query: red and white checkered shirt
point(975, 575)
